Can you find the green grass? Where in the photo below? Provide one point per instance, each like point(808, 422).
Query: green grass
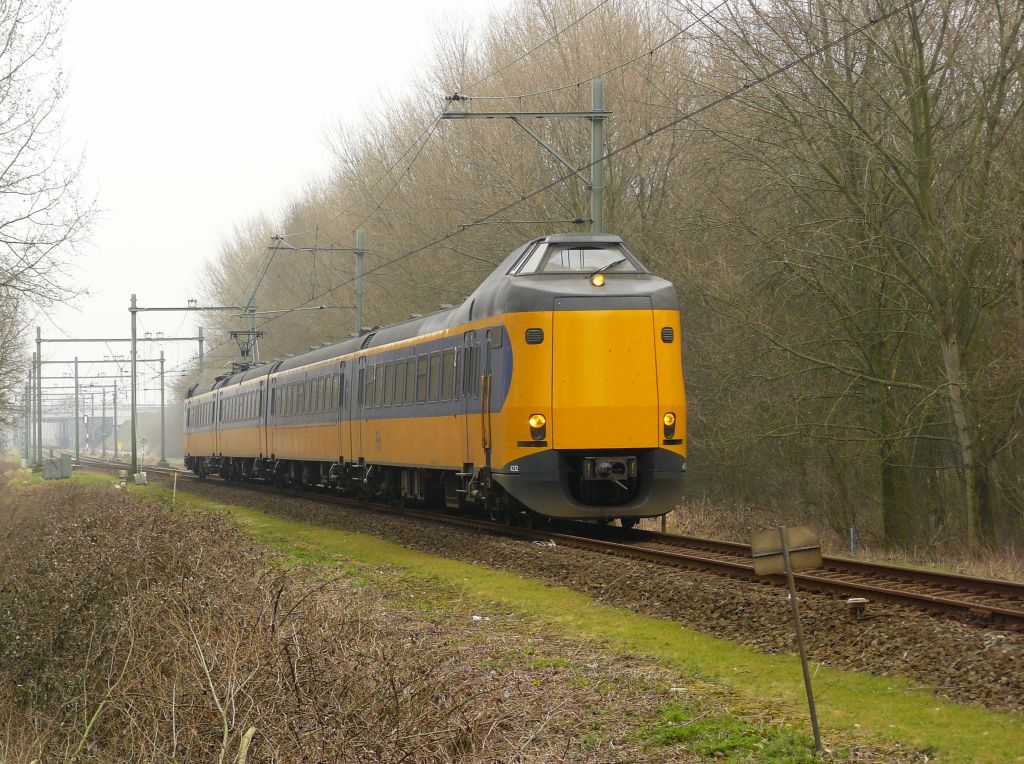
point(879, 708)
point(726, 738)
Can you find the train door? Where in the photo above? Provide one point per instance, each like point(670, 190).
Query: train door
point(343, 417)
point(216, 425)
point(272, 407)
point(355, 410)
point(470, 377)
point(261, 430)
point(485, 397)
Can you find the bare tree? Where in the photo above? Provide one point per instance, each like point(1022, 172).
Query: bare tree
point(41, 215)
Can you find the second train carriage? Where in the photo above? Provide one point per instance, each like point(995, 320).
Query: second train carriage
point(555, 388)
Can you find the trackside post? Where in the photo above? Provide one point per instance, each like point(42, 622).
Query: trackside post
point(796, 549)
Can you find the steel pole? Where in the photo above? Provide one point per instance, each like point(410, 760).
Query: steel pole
point(163, 442)
point(103, 423)
point(115, 423)
point(26, 423)
point(360, 248)
point(200, 351)
point(78, 445)
point(255, 348)
point(800, 638)
point(30, 409)
point(596, 158)
point(134, 402)
point(39, 397)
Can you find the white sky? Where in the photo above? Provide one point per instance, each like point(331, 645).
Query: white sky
point(197, 116)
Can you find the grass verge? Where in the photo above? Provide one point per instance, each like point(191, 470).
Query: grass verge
point(880, 708)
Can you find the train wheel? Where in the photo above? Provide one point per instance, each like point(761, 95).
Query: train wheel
point(629, 522)
point(528, 518)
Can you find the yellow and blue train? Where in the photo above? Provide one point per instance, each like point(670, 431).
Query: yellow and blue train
point(555, 389)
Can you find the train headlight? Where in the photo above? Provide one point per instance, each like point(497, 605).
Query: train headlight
point(597, 279)
point(669, 420)
point(538, 426)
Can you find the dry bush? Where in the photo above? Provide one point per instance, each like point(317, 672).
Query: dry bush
point(131, 633)
point(738, 521)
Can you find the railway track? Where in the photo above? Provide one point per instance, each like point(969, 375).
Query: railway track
point(998, 602)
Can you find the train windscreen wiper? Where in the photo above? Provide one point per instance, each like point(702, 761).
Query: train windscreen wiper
point(603, 268)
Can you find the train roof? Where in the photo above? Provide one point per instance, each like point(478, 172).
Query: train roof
point(498, 293)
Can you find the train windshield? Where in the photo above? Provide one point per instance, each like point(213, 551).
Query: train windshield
point(578, 258)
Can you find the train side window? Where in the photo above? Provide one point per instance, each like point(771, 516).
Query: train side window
point(399, 383)
point(368, 388)
point(447, 375)
point(378, 395)
point(389, 383)
point(457, 374)
point(342, 394)
point(359, 387)
point(435, 375)
point(421, 378)
point(410, 380)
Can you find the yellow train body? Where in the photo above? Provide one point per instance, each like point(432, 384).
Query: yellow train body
point(445, 407)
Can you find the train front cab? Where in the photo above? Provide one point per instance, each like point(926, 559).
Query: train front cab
point(608, 382)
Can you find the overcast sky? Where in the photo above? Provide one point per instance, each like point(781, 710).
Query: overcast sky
point(196, 116)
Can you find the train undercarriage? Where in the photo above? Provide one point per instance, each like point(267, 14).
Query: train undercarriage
point(598, 484)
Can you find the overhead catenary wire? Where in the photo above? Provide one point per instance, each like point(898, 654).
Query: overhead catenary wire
point(538, 46)
point(617, 67)
point(419, 142)
point(649, 134)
